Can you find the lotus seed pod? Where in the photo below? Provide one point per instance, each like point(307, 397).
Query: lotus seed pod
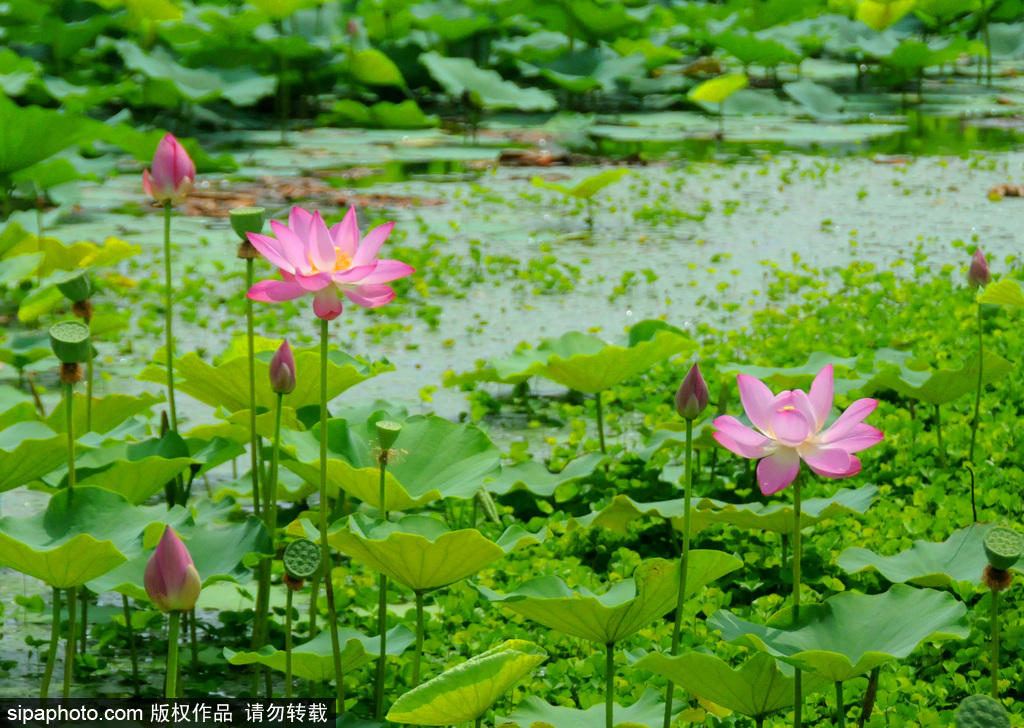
point(301, 559)
point(77, 289)
point(981, 711)
point(387, 433)
point(247, 220)
point(70, 341)
point(1003, 548)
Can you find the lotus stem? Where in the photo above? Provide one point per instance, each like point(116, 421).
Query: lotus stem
point(869, 696)
point(938, 435)
point(282, 83)
point(51, 653)
point(88, 390)
point(417, 656)
point(840, 706)
point(253, 437)
point(479, 721)
point(382, 604)
point(131, 643)
point(995, 644)
point(609, 685)
point(977, 397)
point(314, 593)
point(194, 643)
point(288, 644)
point(69, 642)
point(684, 558)
point(35, 393)
point(83, 597)
point(172, 656)
point(798, 699)
point(600, 423)
point(169, 315)
point(69, 401)
point(332, 620)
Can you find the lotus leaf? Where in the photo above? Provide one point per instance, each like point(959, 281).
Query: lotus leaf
point(439, 460)
point(421, 552)
point(936, 387)
point(797, 377)
point(227, 384)
point(385, 115)
point(961, 557)
point(28, 451)
point(60, 258)
point(15, 406)
point(1004, 292)
point(880, 14)
point(717, 90)
point(465, 692)
point(452, 21)
point(83, 533)
point(588, 187)
point(649, 710)
point(107, 412)
point(627, 606)
point(536, 478)
point(749, 49)
point(314, 659)
point(290, 487)
point(756, 689)
point(673, 434)
point(235, 426)
point(370, 67)
point(487, 88)
point(820, 101)
point(849, 634)
point(22, 351)
point(32, 134)
point(775, 517)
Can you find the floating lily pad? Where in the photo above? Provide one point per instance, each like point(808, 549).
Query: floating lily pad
point(850, 634)
point(775, 517)
point(629, 605)
point(536, 478)
point(28, 451)
point(961, 557)
point(649, 710)
point(756, 689)
point(314, 659)
point(465, 692)
point(421, 552)
point(439, 459)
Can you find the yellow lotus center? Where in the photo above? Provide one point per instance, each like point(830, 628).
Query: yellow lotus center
point(787, 408)
point(341, 261)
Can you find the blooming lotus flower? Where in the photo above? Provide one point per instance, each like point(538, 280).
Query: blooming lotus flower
point(978, 274)
point(327, 262)
point(692, 395)
point(171, 580)
point(789, 429)
point(282, 370)
point(173, 172)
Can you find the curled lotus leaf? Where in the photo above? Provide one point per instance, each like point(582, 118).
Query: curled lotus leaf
point(649, 710)
point(896, 371)
point(107, 412)
point(961, 557)
point(314, 660)
point(466, 692)
point(421, 552)
point(535, 477)
point(28, 451)
point(850, 634)
point(627, 606)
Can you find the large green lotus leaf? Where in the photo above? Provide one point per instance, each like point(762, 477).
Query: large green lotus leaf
point(465, 692)
point(936, 387)
point(82, 534)
point(961, 557)
point(60, 258)
point(648, 711)
point(290, 487)
point(880, 14)
point(449, 19)
point(16, 72)
point(15, 406)
point(757, 689)
point(820, 101)
point(437, 459)
point(536, 478)
point(32, 134)
point(1004, 292)
point(629, 605)
point(421, 552)
point(21, 351)
point(227, 384)
point(588, 187)
point(775, 517)
point(314, 659)
point(718, 89)
point(18, 268)
point(107, 412)
point(673, 434)
point(487, 88)
point(912, 55)
point(217, 549)
point(28, 451)
point(235, 425)
point(798, 377)
point(748, 49)
point(850, 634)
point(370, 67)
point(384, 115)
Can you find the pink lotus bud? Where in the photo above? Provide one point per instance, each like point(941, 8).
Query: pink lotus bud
point(173, 172)
point(692, 397)
point(172, 581)
point(978, 274)
point(282, 370)
point(353, 27)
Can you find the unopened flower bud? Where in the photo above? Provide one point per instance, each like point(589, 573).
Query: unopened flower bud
point(692, 396)
point(171, 579)
point(978, 274)
point(282, 370)
point(173, 172)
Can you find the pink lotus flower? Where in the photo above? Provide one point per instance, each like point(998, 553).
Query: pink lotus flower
point(173, 172)
point(282, 370)
point(171, 579)
point(313, 259)
point(789, 430)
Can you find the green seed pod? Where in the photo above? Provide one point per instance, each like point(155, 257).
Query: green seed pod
point(1003, 548)
point(70, 341)
point(78, 288)
point(301, 558)
point(981, 711)
point(387, 433)
point(247, 220)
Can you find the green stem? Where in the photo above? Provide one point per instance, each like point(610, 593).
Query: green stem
point(683, 563)
point(51, 653)
point(798, 704)
point(479, 721)
point(285, 98)
point(609, 685)
point(194, 641)
point(69, 642)
point(88, 390)
point(131, 643)
point(869, 696)
point(332, 619)
point(288, 644)
point(600, 422)
point(995, 644)
point(314, 594)
point(840, 706)
point(169, 315)
point(172, 656)
point(69, 402)
point(83, 597)
point(977, 397)
point(938, 435)
point(253, 437)
point(382, 628)
point(418, 655)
